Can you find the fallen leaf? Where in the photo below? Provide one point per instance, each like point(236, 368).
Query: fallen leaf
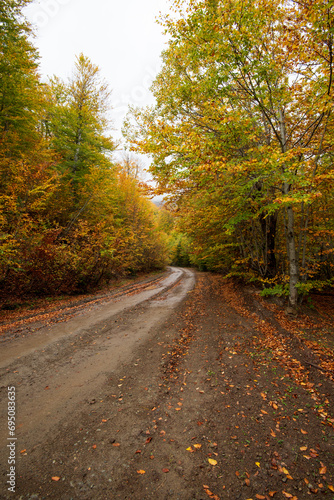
point(323, 470)
point(165, 470)
point(210, 494)
point(272, 433)
point(138, 451)
point(258, 464)
point(247, 482)
point(260, 497)
point(116, 444)
point(141, 472)
point(330, 487)
point(303, 448)
point(23, 451)
point(94, 446)
point(197, 446)
point(272, 493)
point(190, 449)
point(303, 432)
point(56, 478)
point(104, 421)
point(212, 462)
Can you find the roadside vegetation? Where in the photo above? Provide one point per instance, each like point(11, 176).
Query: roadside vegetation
point(71, 217)
point(241, 138)
point(241, 143)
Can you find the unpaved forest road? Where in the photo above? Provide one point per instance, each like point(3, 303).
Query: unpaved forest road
point(168, 391)
point(61, 368)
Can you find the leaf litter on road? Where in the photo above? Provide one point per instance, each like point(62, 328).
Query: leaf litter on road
point(259, 406)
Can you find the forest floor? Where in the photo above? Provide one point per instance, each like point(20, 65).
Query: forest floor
point(221, 396)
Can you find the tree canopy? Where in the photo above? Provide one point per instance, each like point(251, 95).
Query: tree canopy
point(241, 137)
point(70, 217)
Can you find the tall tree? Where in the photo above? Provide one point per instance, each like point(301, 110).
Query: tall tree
point(21, 94)
point(27, 179)
point(79, 121)
point(243, 117)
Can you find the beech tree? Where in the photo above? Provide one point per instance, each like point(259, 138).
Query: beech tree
point(241, 133)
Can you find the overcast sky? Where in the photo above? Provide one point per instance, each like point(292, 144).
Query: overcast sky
point(121, 37)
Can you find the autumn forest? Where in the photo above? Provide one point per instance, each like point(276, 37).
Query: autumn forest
point(71, 217)
point(241, 143)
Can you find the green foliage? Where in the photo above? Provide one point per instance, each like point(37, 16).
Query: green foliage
point(21, 93)
point(278, 290)
point(180, 250)
point(77, 122)
point(304, 289)
point(314, 285)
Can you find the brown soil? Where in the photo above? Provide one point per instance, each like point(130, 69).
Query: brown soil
point(217, 395)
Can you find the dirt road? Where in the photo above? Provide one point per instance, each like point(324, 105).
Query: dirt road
point(62, 366)
point(167, 390)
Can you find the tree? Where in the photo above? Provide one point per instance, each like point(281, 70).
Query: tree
point(132, 166)
point(27, 179)
point(243, 119)
point(78, 121)
point(21, 94)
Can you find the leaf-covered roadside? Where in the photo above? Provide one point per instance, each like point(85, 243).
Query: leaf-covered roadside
point(222, 402)
point(270, 389)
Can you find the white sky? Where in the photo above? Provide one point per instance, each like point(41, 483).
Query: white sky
point(121, 37)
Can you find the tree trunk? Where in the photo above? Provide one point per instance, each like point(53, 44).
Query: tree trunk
point(292, 253)
point(77, 151)
point(290, 229)
point(268, 226)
